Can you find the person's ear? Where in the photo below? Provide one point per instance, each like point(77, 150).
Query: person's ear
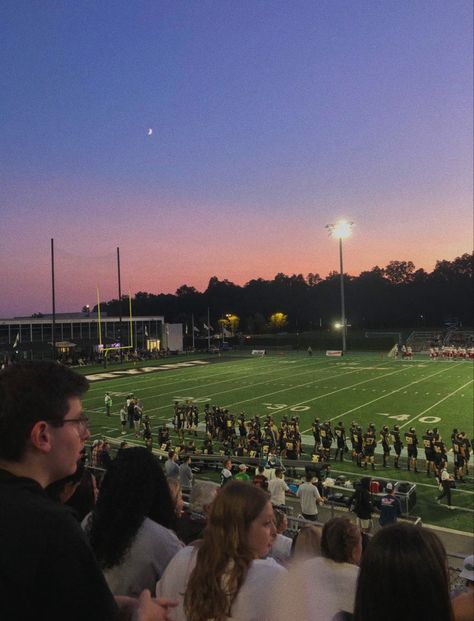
point(40, 436)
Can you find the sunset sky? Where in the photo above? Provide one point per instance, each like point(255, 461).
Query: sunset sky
point(270, 120)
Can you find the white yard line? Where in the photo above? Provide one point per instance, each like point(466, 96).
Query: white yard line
point(333, 392)
point(381, 397)
point(267, 381)
point(217, 381)
point(175, 376)
point(437, 403)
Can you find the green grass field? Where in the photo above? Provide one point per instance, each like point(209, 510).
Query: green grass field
point(362, 387)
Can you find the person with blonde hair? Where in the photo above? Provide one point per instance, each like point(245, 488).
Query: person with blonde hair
point(193, 520)
point(322, 586)
point(307, 543)
point(281, 548)
point(226, 574)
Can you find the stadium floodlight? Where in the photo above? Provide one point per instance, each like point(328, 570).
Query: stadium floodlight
point(341, 230)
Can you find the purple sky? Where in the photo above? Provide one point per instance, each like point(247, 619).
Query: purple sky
point(270, 120)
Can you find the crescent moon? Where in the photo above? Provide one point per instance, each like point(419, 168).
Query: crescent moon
point(150, 131)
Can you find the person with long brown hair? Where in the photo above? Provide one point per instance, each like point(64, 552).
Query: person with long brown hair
point(225, 574)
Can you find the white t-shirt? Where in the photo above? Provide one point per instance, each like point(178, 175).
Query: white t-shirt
point(309, 496)
point(145, 561)
point(315, 589)
point(281, 548)
point(277, 488)
point(251, 604)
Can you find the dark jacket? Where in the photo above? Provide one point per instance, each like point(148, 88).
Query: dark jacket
point(361, 502)
point(47, 569)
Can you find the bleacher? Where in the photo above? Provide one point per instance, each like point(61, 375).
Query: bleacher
point(421, 340)
point(459, 338)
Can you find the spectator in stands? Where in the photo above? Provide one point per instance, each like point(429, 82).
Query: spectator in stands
point(62, 490)
point(463, 601)
point(226, 472)
point(242, 473)
point(48, 570)
point(320, 587)
point(307, 543)
point(361, 504)
point(85, 495)
point(176, 497)
point(309, 498)
point(78, 491)
point(193, 520)
point(277, 488)
point(96, 448)
point(226, 575)
point(390, 507)
point(186, 475)
point(171, 467)
point(259, 479)
point(104, 457)
point(404, 575)
point(281, 548)
point(130, 527)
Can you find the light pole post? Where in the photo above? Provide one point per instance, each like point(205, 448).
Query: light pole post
point(341, 230)
point(343, 306)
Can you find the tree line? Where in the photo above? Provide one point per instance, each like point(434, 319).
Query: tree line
point(395, 296)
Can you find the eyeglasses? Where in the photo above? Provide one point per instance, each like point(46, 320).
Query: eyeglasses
point(82, 422)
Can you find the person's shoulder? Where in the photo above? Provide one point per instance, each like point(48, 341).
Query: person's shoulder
point(312, 564)
point(184, 556)
point(267, 565)
point(152, 526)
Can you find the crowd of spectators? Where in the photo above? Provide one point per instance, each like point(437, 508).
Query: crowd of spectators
point(223, 556)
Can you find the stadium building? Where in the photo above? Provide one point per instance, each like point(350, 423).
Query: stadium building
point(84, 335)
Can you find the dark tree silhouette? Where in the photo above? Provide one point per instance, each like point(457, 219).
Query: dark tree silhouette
point(398, 295)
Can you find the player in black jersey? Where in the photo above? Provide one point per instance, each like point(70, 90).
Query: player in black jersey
point(385, 439)
point(326, 439)
point(316, 434)
point(468, 447)
point(459, 451)
point(427, 440)
point(440, 456)
point(397, 445)
point(208, 447)
point(412, 448)
point(340, 434)
point(357, 441)
point(369, 442)
point(164, 438)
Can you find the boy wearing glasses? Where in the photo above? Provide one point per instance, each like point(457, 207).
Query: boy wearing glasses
point(47, 568)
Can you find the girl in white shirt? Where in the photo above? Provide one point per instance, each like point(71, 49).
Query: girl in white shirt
point(225, 574)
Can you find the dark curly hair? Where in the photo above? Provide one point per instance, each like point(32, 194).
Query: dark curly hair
point(134, 487)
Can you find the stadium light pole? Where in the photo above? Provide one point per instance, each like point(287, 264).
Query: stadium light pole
point(341, 230)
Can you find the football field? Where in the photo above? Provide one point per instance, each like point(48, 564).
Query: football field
point(367, 388)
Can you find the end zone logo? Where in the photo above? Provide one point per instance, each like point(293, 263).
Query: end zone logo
point(97, 377)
